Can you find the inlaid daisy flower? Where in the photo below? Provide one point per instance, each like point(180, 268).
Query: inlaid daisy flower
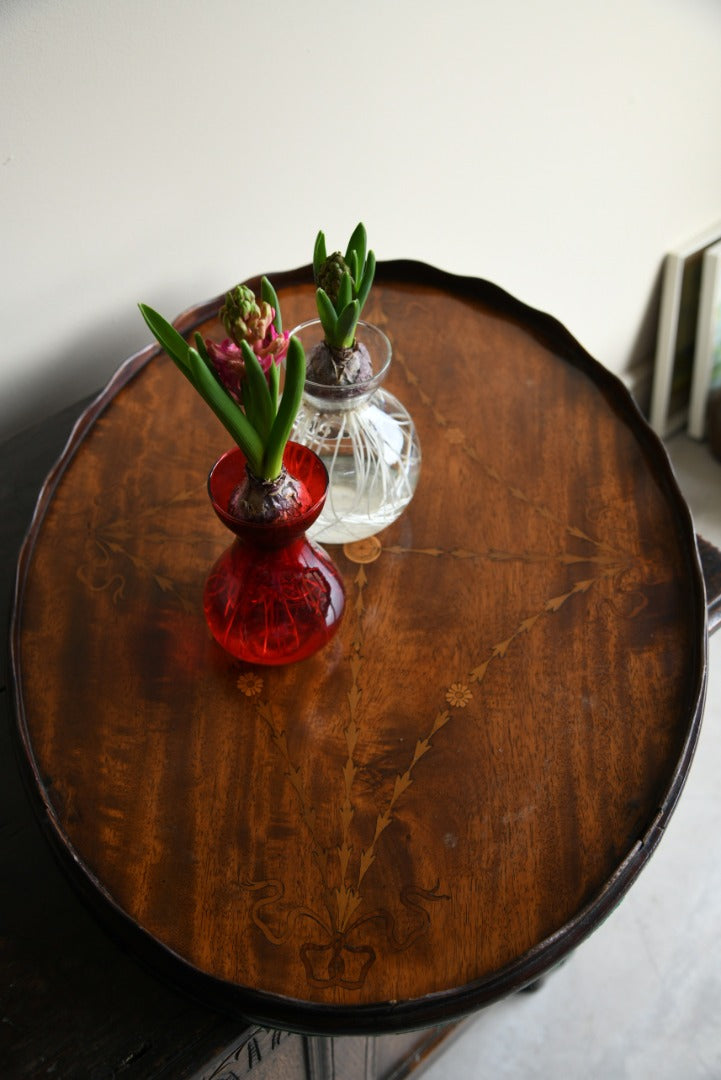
point(458, 695)
point(250, 684)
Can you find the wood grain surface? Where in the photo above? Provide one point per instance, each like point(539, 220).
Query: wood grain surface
point(445, 800)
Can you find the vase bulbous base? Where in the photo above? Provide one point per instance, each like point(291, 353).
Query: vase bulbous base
point(373, 459)
point(273, 606)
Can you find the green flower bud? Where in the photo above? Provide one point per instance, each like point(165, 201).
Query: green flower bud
point(239, 310)
point(330, 274)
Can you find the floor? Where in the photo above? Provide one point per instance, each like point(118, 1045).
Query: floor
point(641, 998)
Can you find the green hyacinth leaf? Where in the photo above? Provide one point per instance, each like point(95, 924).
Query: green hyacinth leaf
point(166, 335)
point(319, 254)
point(229, 414)
point(327, 314)
point(205, 355)
point(353, 267)
point(287, 410)
point(258, 407)
point(268, 293)
point(201, 347)
point(274, 385)
point(345, 293)
point(347, 322)
point(358, 243)
point(368, 275)
point(251, 407)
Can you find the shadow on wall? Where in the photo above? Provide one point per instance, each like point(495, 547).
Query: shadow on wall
point(639, 370)
point(75, 371)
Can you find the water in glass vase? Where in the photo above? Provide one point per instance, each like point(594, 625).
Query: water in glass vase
point(372, 454)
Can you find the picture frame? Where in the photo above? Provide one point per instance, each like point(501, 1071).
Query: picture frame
point(676, 339)
point(707, 356)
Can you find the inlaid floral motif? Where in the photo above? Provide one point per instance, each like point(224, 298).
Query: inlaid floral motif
point(458, 695)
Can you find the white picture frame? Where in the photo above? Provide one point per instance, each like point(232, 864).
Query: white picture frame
point(707, 355)
point(676, 340)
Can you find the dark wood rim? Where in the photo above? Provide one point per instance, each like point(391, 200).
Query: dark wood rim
point(382, 1017)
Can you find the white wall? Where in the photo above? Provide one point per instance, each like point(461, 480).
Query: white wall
point(164, 149)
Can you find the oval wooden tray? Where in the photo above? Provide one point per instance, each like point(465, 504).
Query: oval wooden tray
point(436, 808)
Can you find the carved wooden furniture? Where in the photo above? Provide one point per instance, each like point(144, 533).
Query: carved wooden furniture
point(446, 800)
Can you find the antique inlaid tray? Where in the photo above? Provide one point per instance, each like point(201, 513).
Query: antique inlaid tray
point(438, 806)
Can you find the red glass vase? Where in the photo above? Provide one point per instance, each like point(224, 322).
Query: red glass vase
point(272, 597)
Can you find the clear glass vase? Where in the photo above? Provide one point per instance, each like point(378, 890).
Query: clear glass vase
point(365, 438)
